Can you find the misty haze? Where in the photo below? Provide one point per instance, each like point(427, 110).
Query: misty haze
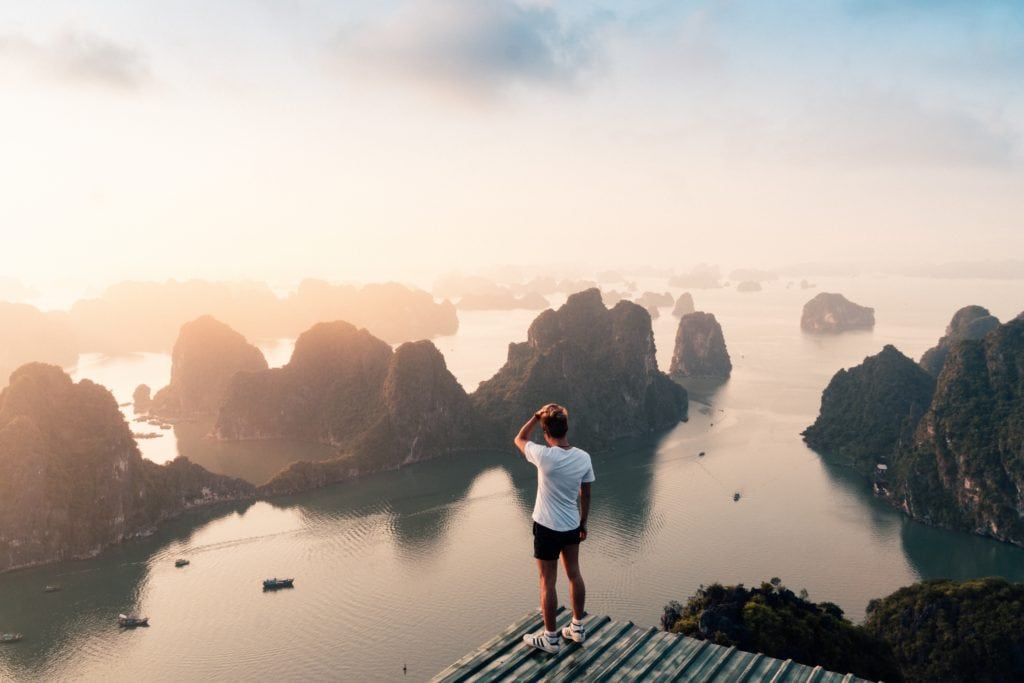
point(297, 300)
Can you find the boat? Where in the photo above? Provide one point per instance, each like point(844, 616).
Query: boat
point(131, 620)
point(275, 583)
point(180, 563)
point(52, 588)
point(10, 637)
point(735, 497)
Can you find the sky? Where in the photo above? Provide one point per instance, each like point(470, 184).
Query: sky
point(277, 139)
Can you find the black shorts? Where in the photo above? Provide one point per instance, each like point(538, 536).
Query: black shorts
point(548, 543)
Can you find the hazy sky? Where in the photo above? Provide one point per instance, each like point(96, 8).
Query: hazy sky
point(277, 138)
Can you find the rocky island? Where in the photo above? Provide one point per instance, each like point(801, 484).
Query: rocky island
point(700, 348)
point(870, 411)
point(833, 313)
point(206, 355)
point(970, 322)
point(599, 362)
point(956, 461)
point(684, 305)
point(72, 480)
point(28, 334)
point(345, 388)
point(652, 301)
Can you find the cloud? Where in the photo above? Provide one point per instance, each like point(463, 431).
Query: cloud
point(75, 57)
point(891, 129)
point(474, 47)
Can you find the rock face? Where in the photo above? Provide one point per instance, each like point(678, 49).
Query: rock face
point(958, 462)
point(206, 356)
point(868, 412)
point(346, 388)
point(700, 348)
point(684, 305)
point(970, 322)
point(72, 480)
point(833, 313)
point(600, 363)
point(965, 469)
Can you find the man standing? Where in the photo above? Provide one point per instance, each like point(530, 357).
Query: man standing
point(559, 525)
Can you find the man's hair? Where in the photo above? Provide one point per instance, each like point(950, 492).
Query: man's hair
point(554, 420)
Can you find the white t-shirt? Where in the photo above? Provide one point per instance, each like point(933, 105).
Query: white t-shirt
point(559, 475)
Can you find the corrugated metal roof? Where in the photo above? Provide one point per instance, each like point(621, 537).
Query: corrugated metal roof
point(622, 651)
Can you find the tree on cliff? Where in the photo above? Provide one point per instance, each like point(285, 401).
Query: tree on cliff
point(773, 620)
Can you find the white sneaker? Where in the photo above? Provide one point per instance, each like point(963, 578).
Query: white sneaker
point(541, 642)
point(574, 632)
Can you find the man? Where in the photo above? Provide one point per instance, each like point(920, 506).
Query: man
point(563, 471)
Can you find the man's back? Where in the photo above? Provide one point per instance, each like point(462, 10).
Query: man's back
point(560, 472)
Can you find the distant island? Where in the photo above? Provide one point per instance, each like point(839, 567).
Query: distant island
point(684, 305)
point(700, 348)
point(829, 313)
point(72, 480)
point(147, 315)
point(39, 337)
point(947, 451)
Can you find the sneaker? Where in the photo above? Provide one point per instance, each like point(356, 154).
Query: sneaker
point(542, 642)
point(574, 632)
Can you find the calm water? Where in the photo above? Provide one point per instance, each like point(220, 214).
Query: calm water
point(419, 566)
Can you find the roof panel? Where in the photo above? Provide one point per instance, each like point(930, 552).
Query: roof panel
point(622, 651)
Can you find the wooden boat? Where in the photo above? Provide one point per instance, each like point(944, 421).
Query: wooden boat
point(52, 588)
point(180, 563)
point(10, 637)
point(275, 583)
point(131, 620)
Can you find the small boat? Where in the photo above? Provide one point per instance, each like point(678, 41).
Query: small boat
point(10, 637)
point(275, 583)
point(131, 620)
point(52, 588)
point(735, 497)
point(180, 563)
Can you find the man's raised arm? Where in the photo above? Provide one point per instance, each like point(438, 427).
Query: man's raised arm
point(523, 437)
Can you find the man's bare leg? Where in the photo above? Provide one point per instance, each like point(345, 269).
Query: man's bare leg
point(577, 589)
point(548, 570)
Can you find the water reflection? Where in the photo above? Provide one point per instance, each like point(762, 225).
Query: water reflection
point(254, 461)
point(930, 552)
point(884, 519)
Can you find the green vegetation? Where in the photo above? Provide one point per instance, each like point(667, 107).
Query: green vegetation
point(953, 631)
point(938, 630)
point(773, 620)
point(867, 412)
